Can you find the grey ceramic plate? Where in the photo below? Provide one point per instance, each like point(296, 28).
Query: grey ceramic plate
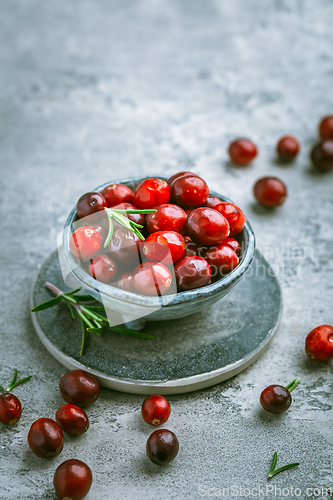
point(186, 355)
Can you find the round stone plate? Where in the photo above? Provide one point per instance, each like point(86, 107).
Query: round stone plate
point(185, 355)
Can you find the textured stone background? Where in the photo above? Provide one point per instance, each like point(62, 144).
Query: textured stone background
point(91, 91)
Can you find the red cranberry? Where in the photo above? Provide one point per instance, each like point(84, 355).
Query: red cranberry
point(117, 193)
point(151, 193)
point(322, 156)
point(10, 409)
point(164, 246)
point(138, 218)
point(189, 191)
point(207, 226)
point(72, 419)
point(319, 343)
point(275, 399)
point(212, 201)
point(155, 410)
point(180, 174)
point(190, 247)
point(79, 387)
point(326, 127)
point(125, 282)
point(100, 229)
point(125, 246)
point(85, 243)
point(192, 272)
point(242, 151)
point(162, 446)
point(221, 258)
point(233, 244)
point(45, 438)
point(234, 216)
point(152, 278)
point(287, 148)
point(103, 268)
point(72, 480)
point(270, 191)
point(168, 218)
point(90, 203)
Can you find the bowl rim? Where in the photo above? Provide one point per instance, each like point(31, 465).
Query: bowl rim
point(89, 283)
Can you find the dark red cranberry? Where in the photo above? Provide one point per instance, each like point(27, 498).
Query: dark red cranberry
point(234, 216)
point(207, 226)
point(10, 409)
point(85, 243)
point(164, 246)
point(233, 244)
point(72, 480)
point(151, 193)
point(212, 201)
point(322, 156)
point(167, 218)
point(72, 419)
point(162, 446)
point(100, 229)
point(275, 399)
point(270, 191)
point(221, 258)
point(45, 438)
point(192, 272)
point(326, 127)
point(90, 203)
point(125, 282)
point(103, 268)
point(180, 174)
point(117, 193)
point(155, 410)
point(152, 278)
point(242, 151)
point(138, 218)
point(125, 246)
point(287, 148)
point(189, 191)
point(79, 387)
point(190, 247)
point(319, 343)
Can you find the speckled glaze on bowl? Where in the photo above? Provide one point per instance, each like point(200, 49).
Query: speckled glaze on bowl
point(135, 309)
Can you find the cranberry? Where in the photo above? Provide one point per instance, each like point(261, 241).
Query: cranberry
point(233, 244)
point(287, 148)
point(155, 410)
point(319, 343)
point(242, 151)
point(72, 419)
point(167, 217)
point(85, 243)
point(326, 127)
point(138, 218)
point(79, 387)
point(212, 201)
point(125, 282)
point(103, 268)
point(10, 409)
point(117, 193)
point(125, 246)
point(45, 438)
point(180, 174)
point(162, 446)
point(207, 226)
point(152, 278)
point(222, 258)
point(72, 480)
point(100, 229)
point(275, 399)
point(90, 203)
point(151, 193)
point(190, 247)
point(189, 191)
point(322, 156)
point(270, 191)
point(234, 216)
point(166, 246)
point(192, 272)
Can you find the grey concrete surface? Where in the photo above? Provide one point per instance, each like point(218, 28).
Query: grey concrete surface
point(91, 91)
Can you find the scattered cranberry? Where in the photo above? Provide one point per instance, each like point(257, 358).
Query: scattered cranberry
point(174, 177)
point(138, 218)
point(152, 278)
point(322, 156)
point(207, 226)
point(72, 419)
point(151, 193)
point(212, 201)
point(319, 343)
point(45, 438)
point(85, 243)
point(234, 216)
point(117, 193)
point(125, 282)
point(192, 272)
point(79, 387)
point(287, 148)
point(326, 127)
point(234, 244)
point(162, 446)
point(125, 246)
point(72, 480)
point(10, 409)
point(164, 246)
point(242, 151)
point(103, 268)
point(189, 191)
point(222, 258)
point(90, 203)
point(168, 218)
point(155, 410)
point(270, 191)
point(275, 399)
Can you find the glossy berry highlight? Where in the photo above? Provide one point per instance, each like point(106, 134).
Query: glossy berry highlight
point(79, 387)
point(319, 343)
point(45, 438)
point(162, 447)
point(155, 410)
point(72, 480)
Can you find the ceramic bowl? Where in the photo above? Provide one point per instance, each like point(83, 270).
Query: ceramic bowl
point(133, 309)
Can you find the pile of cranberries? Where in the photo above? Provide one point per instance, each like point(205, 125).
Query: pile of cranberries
point(189, 238)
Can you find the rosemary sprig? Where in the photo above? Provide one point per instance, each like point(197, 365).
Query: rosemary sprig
point(91, 319)
point(117, 215)
point(15, 383)
point(273, 472)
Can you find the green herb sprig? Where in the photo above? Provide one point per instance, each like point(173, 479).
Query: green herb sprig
point(115, 214)
point(15, 383)
point(273, 472)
